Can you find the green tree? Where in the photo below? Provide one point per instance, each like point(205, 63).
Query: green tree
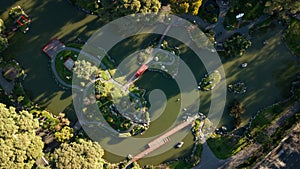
point(20, 99)
point(125, 7)
point(1, 26)
point(292, 36)
point(3, 43)
point(236, 45)
point(84, 154)
point(135, 6)
point(263, 139)
point(64, 135)
point(236, 110)
point(186, 6)
point(19, 145)
point(282, 8)
point(84, 70)
point(150, 6)
point(135, 165)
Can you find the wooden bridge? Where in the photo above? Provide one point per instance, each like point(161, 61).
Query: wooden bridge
point(161, 140)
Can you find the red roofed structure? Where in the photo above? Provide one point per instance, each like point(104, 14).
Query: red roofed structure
point(51, 48)
point(141, 70)
point(23, 19)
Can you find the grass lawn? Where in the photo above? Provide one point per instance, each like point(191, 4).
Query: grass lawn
point(75, 45)
point(86, 4)
point(265, 117)
point(292, 36)
point(104, 75)
point(62, 71)
point(268, 76)
point(224, 147)
point(180, 165)
point(172, 69)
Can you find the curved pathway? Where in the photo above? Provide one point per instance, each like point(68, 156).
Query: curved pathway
point(90, 57)
point(208, 159)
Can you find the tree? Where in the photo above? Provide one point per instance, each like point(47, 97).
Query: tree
point(3, 43)
point(186, 6)
point(1, 25)
point(64, 135)
point(282, 8)
point(84, 154)
point(150, 6)
point(263, 139)
point(126, 7)
point(236, 110)
point(236, 45)
point(84, 70)
point(19, 145)
point(20, 99)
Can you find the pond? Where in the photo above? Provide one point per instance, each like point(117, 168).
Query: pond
point(152, 81)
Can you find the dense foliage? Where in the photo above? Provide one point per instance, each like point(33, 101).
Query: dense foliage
point(19, 145)
point(119, 7)
point(1, 25)
point(3, 40)
point(84, 70)
point(185, 6)
point(84, 154)
point(64, 135)
point(292, 36)
point(282, 8)
point(236, 45)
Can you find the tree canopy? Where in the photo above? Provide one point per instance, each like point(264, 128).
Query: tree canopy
point(84, 70)
point(84, 154)
point(236, 109)
point(19, 145)
point(185, 6)
point(1, 25)
point(64, 135)
point(3, 43)
point(282, 8)
point(292, 36)
point(236, 45)
point(126, 7)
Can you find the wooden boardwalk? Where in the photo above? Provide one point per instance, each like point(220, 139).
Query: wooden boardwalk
point(161, 140)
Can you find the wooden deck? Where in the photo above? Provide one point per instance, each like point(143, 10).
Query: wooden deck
point(161, 140)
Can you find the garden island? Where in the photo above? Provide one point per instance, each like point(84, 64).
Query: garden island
point(44, 58)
